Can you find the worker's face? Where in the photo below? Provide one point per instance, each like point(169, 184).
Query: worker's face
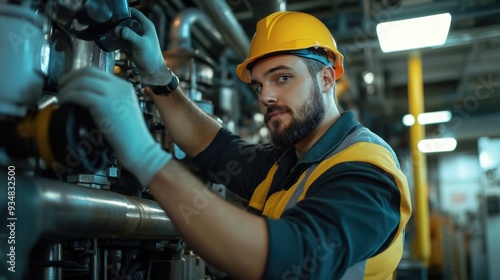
point(290, 98)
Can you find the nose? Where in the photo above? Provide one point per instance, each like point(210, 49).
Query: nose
point(268, 96)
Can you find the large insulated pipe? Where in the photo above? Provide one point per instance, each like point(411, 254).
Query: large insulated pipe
point(224, 19)
point(49, 209)
point(182, 24)
point(69, 210)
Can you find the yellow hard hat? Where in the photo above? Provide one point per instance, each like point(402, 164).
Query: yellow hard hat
point(281, 32)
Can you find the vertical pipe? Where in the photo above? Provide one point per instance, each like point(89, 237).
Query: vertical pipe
point(194, 93)
point(54, 254)
point(95, 260)
point(421, 244)
point(105, 265)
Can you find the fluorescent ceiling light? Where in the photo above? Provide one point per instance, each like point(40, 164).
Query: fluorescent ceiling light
point(408, 120)
point(369, 77)
point(428, 118)
point(413, 33)
point(434, 117)
point(437, 145)
point(485, 160)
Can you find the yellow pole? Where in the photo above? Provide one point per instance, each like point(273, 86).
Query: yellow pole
point(421, 245)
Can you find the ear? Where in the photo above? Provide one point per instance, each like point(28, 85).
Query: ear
point(327, 78)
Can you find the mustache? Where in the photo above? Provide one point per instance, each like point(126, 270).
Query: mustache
point(274, 108)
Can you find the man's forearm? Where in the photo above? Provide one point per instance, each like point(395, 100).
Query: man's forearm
point(188, 126)
point(224, 235)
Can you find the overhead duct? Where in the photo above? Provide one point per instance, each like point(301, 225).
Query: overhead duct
point(231, 30)
point(194, 69)
point(180, 30)
point(263, 8)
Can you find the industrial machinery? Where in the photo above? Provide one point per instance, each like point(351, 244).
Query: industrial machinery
point(69, 210)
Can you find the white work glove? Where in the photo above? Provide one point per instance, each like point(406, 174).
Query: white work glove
point(146, 51)
point(113, 105)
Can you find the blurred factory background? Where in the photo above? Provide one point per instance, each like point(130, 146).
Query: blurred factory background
point(78, 215)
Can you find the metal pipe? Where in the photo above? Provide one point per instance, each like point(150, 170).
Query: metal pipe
point(67, 53)
point(105, 264)
point(51, 209)
point(87, 53)
point(54, 254)
point(263, 8)
point(95, 260)
point(161, 22)
point(181, 28)
point(59, 209)
point(417, 133)
point(224, 19)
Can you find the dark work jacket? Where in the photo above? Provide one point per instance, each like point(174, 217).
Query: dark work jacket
point(338, 213)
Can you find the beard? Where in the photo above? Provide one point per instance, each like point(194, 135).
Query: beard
point(304, 121)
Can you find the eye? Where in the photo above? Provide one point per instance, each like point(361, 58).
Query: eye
point(283, 78)
point(257, 89)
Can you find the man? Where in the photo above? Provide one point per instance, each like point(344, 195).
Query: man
point(328, 200)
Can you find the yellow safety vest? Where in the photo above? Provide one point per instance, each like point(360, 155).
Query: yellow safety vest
point(378, 267)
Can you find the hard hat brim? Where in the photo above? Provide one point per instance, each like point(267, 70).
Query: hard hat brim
point(243, 70)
